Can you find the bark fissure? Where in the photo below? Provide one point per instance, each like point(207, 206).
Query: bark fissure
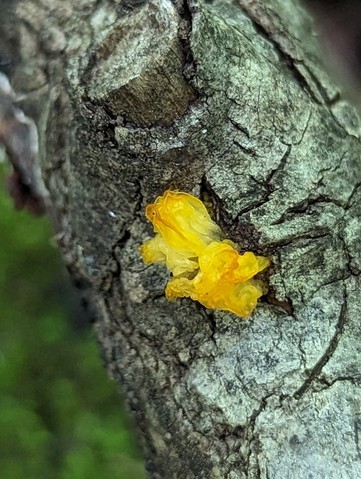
point(317, 370)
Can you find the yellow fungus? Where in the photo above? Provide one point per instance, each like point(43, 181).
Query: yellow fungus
point(204, 267)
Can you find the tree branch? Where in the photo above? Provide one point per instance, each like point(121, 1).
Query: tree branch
point(228, 99)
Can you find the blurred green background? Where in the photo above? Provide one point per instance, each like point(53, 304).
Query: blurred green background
point(60, 416)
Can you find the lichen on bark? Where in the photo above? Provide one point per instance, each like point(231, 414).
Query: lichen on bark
point(229, 99)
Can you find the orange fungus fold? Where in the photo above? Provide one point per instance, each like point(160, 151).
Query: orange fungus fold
point(205, 267)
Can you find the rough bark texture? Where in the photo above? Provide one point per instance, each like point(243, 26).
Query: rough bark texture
point(229, 99)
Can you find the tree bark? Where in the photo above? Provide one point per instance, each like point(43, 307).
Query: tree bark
point(229, 100)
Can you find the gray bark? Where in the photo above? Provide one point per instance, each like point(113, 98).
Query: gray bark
point(228, 99)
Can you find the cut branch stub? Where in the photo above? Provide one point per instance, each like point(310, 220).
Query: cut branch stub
point(138, 68)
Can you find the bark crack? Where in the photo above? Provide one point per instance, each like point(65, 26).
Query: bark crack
point(357, 426)
point(265, 30)
point(317, 369)
point(263, 22)
point(185, 33)
point(253, 445)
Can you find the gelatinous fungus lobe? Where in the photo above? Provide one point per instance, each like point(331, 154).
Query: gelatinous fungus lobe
point(205, 267)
